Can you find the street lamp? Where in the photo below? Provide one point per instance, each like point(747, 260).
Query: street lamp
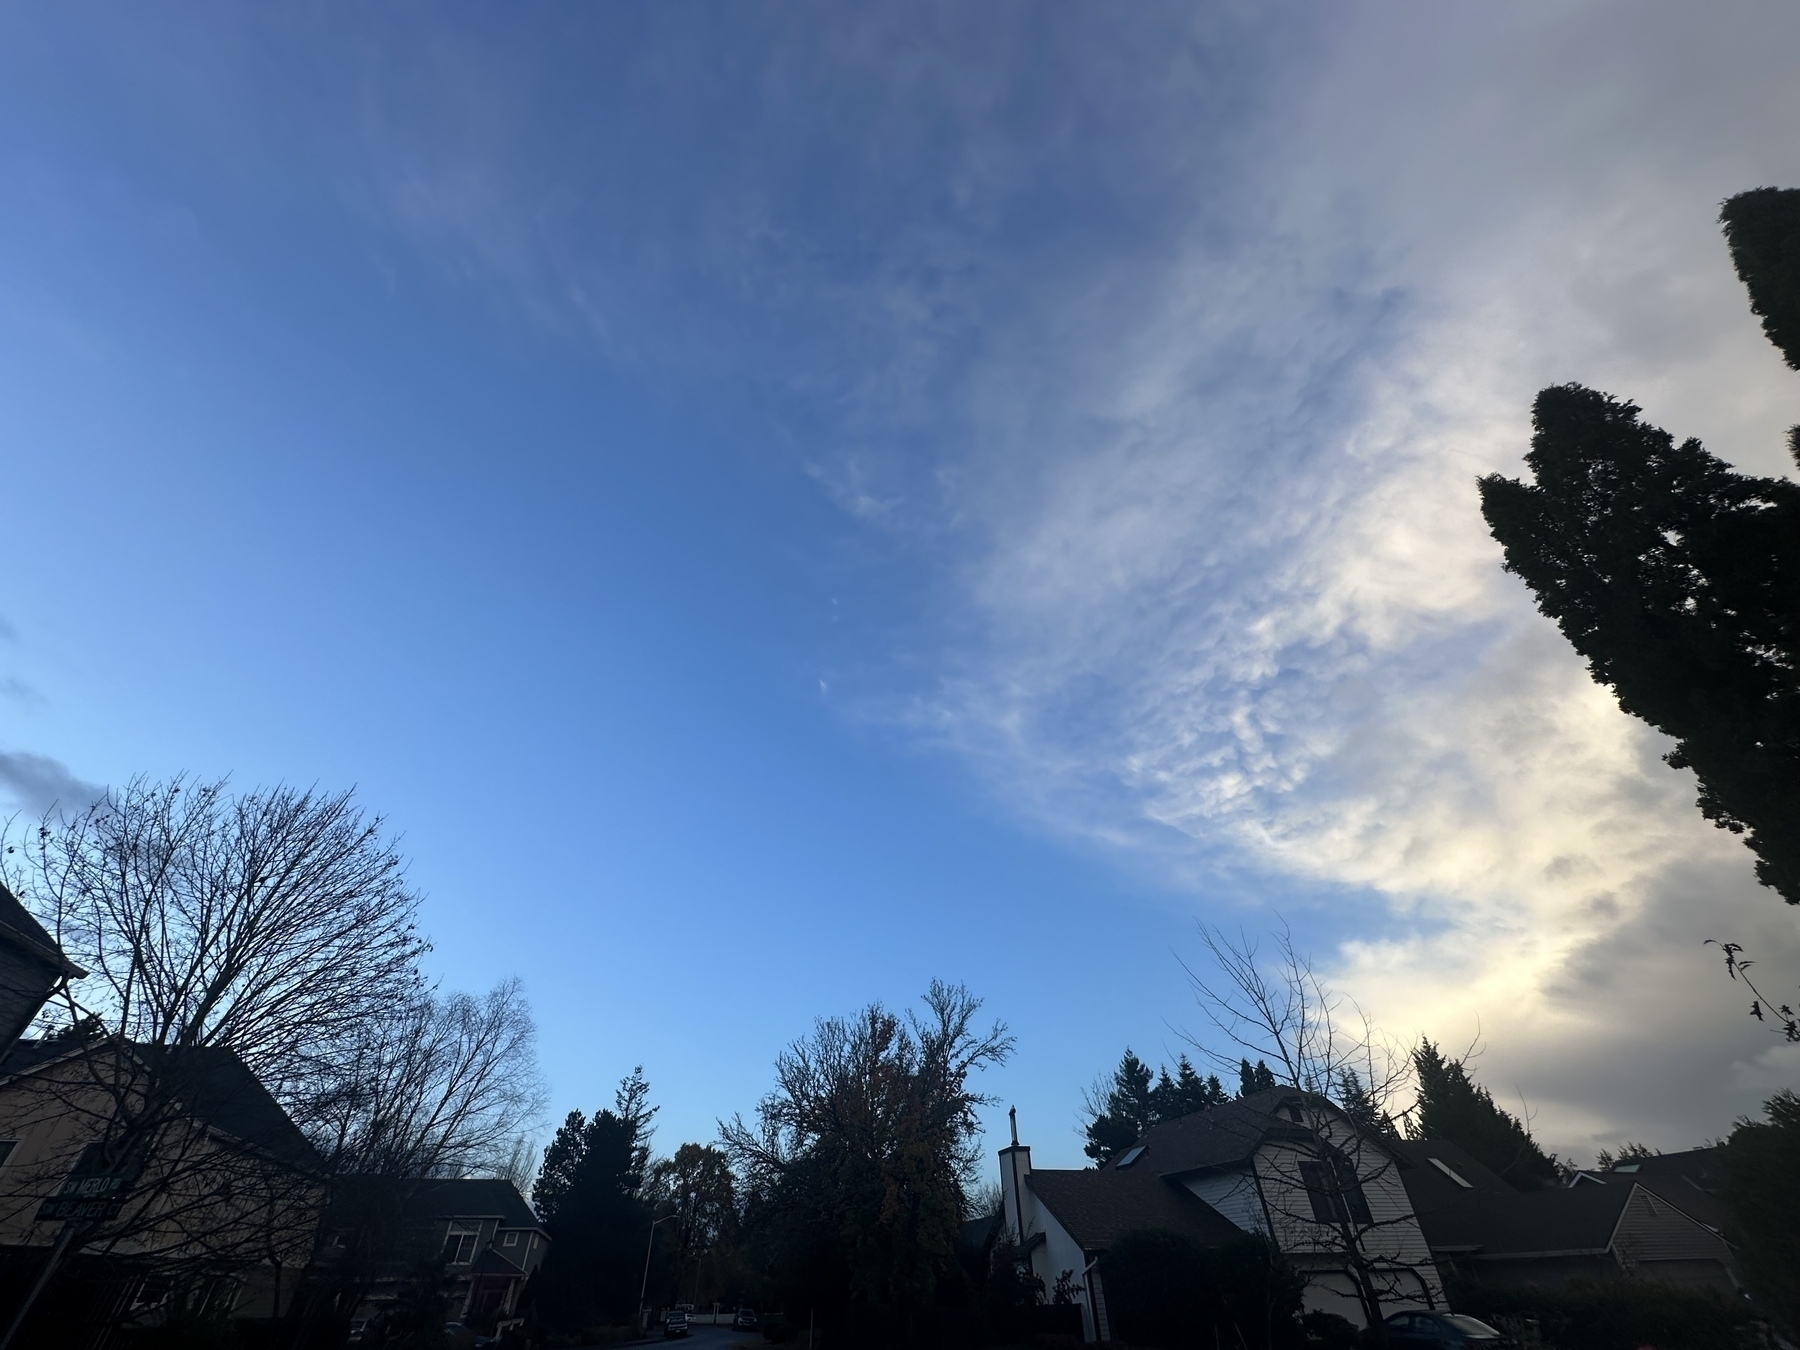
point(644, 1284)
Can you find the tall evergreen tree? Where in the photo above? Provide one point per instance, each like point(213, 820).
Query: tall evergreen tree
point(1676, 578)
point(1762, 229)
point(1122, 1107)
point(1254, 1078)
point(1360, 1107)
point(1123, 1111)
point(587, 1194)
point(1186, 1093)
point(1453, 1106)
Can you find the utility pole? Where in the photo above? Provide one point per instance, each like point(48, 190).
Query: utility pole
point(644, 1284)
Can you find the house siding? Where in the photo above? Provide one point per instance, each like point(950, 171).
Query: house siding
point(1059, 1252)
point(1233, 1195)
point(1654, 1240)
point(1394, 1242)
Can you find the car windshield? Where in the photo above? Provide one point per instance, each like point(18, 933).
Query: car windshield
point(1469, 1326)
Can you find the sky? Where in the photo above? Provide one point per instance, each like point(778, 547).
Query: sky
point(775, 504)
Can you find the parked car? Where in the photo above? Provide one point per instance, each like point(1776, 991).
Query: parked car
point(1441, 1331)
point(675, 1325)
point(744, 1319)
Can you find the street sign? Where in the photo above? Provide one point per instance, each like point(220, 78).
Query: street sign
point(93, 1195)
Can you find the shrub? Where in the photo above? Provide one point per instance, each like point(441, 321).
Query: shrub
point(1611, 1315)
point(1165, 1290)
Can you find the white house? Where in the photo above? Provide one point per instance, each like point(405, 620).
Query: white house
point(1282, 1163)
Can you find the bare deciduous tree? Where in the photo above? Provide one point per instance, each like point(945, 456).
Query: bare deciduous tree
point(267, 930)
point(1329, 1177)
point(437, 1086)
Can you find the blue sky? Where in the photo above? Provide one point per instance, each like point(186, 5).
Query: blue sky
point(780, 503)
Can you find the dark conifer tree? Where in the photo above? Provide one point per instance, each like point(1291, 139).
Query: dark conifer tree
point(1126, 1110)
point(1187, 1092)
point(587, 1194)
point(1677, 578)
point(1360, 1107)
point(1454, 1106)
point(1254, 1078)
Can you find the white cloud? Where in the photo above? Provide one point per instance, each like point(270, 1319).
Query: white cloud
point(1259, 621)
point(1176, 354)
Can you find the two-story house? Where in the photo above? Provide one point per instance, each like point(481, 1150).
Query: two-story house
point(477, 1231)
point(1282, 1163)
point(145, 1173)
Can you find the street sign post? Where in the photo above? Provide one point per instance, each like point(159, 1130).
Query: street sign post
point(96, 1195)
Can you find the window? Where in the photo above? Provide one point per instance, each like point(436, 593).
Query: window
point(1450, 1172)
point(1335, 1198)
point(510, 1240)
point(1131, 1155)
point(459, 1246)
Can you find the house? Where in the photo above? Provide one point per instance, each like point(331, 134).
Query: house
point(31, 967)
point(1625, 1223)
point(378, 1235)
point(222, 1196)
point(1285, 1164)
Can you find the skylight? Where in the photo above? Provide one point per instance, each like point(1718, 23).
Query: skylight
point(1450, 1172)
point(1128, 1157)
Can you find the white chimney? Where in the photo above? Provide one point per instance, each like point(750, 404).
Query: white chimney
point(1015, 1167)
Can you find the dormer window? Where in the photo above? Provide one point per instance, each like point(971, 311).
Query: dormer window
point(459, 1245)
point(1128, 1157)
point(1293, 1113)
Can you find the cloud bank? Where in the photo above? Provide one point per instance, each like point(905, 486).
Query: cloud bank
point(1166, 350)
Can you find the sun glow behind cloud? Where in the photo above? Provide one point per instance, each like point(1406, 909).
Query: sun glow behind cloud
point(1189, 440)
point(1257, 621)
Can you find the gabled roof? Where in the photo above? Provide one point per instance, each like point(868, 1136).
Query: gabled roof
point(212, 1083)
point(19, 930)
point(469, 1198)
point(1575, 1219)
point(1098, 1207)
point(1689, 1180)
point(1225, 1136)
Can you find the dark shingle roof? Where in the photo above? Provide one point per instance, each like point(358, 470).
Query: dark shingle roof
point(1578, 1219)
point(216, 1088)
point(1098, 1207)
point(1428, 1188)
point(1225, 1136)
point(221, 1091)
point(1704, 1166)
point(21, 930)
point(469, 1198)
